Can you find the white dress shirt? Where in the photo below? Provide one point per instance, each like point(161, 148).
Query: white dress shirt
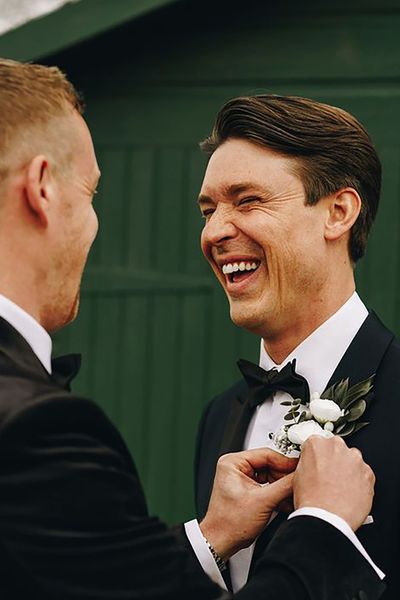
point(37, 337)
point(316, 359)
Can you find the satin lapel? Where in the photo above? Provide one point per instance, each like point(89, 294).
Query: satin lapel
point(236, 425)
point(365, 353)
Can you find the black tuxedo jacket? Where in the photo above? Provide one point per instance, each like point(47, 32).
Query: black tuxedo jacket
point(73, 517)
point(373, 350)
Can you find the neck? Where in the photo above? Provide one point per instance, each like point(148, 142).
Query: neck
point(21, 298)
point(280, 343)
point(17, 282)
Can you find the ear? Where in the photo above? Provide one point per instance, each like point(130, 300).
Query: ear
point(38, 189)
point(343, 209)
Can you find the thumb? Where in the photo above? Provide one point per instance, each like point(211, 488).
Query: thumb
point(278, 491)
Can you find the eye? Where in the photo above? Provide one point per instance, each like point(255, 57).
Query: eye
point(206, 213)
point(250, 200)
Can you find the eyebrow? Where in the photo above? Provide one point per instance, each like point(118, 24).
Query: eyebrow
point(233, 190)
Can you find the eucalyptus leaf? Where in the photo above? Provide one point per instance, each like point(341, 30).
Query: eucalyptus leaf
point(288, 417)
point(329, 394)
point(340, 421)
point(286, 403)
point(343, 386)
point(338, 392)
point(302, 417)
point(359, 426)
point(357, 410)
point(350, 404)
point(339, 428)
point(347, 429)
point(359, 390)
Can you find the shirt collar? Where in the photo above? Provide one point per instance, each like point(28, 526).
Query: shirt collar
point(319, 354)
point(33, 333)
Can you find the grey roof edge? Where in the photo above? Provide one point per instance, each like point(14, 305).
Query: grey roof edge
point(71, 24)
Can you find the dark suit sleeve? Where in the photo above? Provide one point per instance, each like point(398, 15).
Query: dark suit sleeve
point(74, 525)
point(309, 559)
point(73, 520)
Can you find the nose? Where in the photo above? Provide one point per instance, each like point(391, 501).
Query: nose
point(218, 228)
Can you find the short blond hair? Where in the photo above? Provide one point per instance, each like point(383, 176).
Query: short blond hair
point(31, 97)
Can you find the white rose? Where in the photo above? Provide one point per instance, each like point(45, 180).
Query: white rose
point(325, 410)
point(300, 432)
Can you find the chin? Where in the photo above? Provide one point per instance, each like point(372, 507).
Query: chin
point(70, 316)
point(74, 310)
point(245, 320)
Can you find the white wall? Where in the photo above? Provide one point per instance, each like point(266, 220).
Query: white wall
point(14, 13)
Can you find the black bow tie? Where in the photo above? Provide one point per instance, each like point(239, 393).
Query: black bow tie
point(263, 383)
point(65, 368)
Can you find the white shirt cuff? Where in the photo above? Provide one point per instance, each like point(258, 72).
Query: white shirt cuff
point(340, 524)
point(202, 552)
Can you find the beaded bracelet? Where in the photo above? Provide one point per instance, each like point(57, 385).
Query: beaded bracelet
point(221, 564)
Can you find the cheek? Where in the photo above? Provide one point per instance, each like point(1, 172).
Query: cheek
point(95, 227)
point(90, 227)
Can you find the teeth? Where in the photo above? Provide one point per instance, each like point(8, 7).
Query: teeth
point(242, 266)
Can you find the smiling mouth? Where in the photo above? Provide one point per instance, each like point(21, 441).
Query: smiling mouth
point(238, 271)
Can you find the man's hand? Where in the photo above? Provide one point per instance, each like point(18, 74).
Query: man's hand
point(240, 504)
point(334, 477)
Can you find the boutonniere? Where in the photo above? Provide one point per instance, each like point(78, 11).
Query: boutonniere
point(337, 412)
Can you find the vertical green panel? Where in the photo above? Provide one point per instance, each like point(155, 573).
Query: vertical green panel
point(193, 259)
point(80, 339)
point(136, 376)
point(109, 205)
point(248, 346)
point(164, 331)
point(168, 212)
point(223, 348)
point(193, 371)
point(106, 351)
point(139, 208)
point(383, 261)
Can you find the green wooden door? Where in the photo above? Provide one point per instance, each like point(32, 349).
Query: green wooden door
point(154, 327)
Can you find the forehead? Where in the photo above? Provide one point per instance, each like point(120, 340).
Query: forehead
point(239, 163)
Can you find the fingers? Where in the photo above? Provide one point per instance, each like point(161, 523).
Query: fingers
point(318, 446)
point(260, 459)
point(356, 452)
point(278, 491)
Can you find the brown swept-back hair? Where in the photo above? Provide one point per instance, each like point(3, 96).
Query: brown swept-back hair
point(30, 96)
point(332, 149)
